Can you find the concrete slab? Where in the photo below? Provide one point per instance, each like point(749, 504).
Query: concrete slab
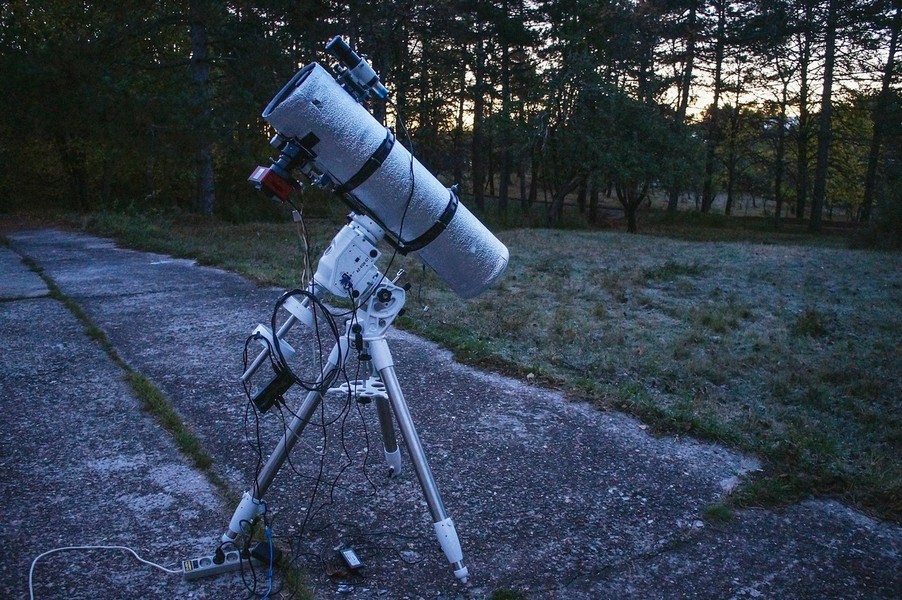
point(551, 498)
point(81, 464)
point(17, 280)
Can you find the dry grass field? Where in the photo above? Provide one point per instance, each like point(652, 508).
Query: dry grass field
point(792, 352)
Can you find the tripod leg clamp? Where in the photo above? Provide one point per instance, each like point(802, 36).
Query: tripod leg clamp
point(447, 538)
point(394, 462)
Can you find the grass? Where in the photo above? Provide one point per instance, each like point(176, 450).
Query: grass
point(785, 347)
point(717, 513)
point(152, 400)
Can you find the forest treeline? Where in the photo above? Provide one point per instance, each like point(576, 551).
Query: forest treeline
point(698, 104)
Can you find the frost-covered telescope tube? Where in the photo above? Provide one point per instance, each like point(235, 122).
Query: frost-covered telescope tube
point(348, 145)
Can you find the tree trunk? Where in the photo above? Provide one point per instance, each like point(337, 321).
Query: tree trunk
point(779, 160)
point(425, 126)
point(685, 83)
point(824, 132)
point(732, 159)
point(533, 181)
point(106, 184)
point(478, 147)
point(631, 199)
point(632, 219)
point(74, 159)
point(459, 131)
point(556, 210)
point(535, 155)
point(879, 119)
point(733, 144)
point(504, 183)
point(731, 162)
point(804, 117)
point(521, 175)
point(581, 197)
point(205, 197)
point(593, 205)
point(490, 160)
point(708, 193)
point(150, 181)
point(673, 200)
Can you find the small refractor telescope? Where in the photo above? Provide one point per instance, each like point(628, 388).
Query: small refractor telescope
point(324, 132)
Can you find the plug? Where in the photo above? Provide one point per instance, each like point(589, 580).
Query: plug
point(266, 553)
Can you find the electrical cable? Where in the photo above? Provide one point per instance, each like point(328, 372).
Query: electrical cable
point(407, 203)
point(252, 408)
point(244, 552)
point(325, 380)
point(268, 532)
point(411, 151)
point(353, 314)
point(67, 548)
point(301, 229)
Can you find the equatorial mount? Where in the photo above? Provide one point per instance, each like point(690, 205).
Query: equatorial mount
point(347, 269)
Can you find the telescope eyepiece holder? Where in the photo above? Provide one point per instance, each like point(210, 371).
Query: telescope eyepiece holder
point(355, 74)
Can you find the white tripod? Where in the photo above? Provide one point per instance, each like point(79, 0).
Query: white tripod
point(348, 267)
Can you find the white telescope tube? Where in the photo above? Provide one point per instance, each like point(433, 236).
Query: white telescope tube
point(350, 147)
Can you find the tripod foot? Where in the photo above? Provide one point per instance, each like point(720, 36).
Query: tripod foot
point(461, 572)
point(248, 509)
point(447, 538)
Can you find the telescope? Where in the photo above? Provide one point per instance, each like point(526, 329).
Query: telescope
point(324, 132)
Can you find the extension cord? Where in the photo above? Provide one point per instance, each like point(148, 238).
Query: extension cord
point(195, 568)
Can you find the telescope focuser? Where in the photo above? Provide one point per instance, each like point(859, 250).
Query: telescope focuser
point(355, 75)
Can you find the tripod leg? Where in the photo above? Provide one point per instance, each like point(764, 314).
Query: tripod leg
point(251, 505)
point(444, 526)
point(389, 442)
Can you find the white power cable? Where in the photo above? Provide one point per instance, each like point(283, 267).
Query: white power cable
point(40, 556)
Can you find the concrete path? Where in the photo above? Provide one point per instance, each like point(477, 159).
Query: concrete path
point(552, 499)
point(81, 464)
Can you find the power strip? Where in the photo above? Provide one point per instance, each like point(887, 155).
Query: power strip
point(195, 568)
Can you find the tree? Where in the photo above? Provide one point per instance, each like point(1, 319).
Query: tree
point(851, 128)
point(478, 146)
point(769, 38)
point(199, 15)
point(88, 87)
point(847, 23)
point(880, 114)
point(688, 31)
point(641, 148)
point(109, 103)
point(719, 49)
point(805, 36)
point(824, 131)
